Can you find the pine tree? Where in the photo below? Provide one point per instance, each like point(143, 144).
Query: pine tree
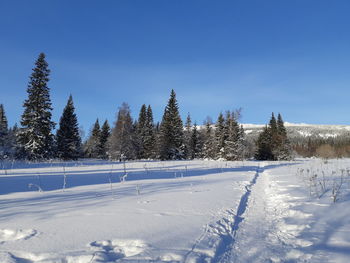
point(209, 150)
point(232, 144)
point(280, 126)
point(4, 131)
point(104, 136)
point(149, 143)
point(220, 137)
point(241, 144)
point(264, 150)
point(92, 146)
point(187, 137)
point(68, 137)
point(171, 131)
point(36, 136)
point(141, 129)
point(195, 143)
point(121, 143)
point(273, 143)
point(12, 146)
point(275, 138)
point(283, 151)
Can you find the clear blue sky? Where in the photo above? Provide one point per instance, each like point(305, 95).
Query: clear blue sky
point(290, 56)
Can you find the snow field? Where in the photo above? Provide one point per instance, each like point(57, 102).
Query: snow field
point(183, 211)
point(286, 223)
point(103, 222)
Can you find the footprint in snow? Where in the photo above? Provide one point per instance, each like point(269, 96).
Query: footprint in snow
point(118, 248)
point(7, 235)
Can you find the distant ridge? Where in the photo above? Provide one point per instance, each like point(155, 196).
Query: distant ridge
point(304, 130)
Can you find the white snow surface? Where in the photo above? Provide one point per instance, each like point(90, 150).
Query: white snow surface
point(175, 211)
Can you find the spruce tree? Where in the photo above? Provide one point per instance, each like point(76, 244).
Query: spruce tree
point(241, 144)
point(141, 129)
point(209, 150)
point(12, 146)
point(121, 143)
point(283, 151)
point(171, 131)
point(232, 144)
point(187, 137)
point(264, 149)
point(195, 143)
point(36, 136)
point(280, 126)
point(92, 146)
point(149, 143)
point(104, 136)
point(68, 137)
point(4, 131)
point(220, 137)
point(273, 143)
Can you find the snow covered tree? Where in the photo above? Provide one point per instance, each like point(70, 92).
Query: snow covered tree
point(241, 144)
point(264, 149)
point(171, 131)
point(141, 131)
point(284, 150)
point(209, 150)
point(149, 143)
point(187, 137)
point(4, 131)
point(92, 145)
point(195, 144)
point(220, 137)
point(121, 142)
point(68, 137)
point(280, 126)
point(12, 149)
point(36, 136)
point(233, 141)
point(273, 143)
point(104, 136)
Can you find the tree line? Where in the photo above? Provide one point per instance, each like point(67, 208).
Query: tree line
point(129, 139)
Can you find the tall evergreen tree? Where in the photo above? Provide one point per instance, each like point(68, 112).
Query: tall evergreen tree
point(264, 145)
point(280, 126)
point(273, 143)
point(195, 143)
point(68, 137)
point(4, 131)
point(149, 143)
point(12, 146)
point(220, 134)
point(141, 131)
point(187, 137)
point(36, 136)
point(122, 137)
point(171, 131)
point(233, 140)
point(242, 144)
point(283, 151)
point(209, 150)
point(92, 145)
point(104, 136)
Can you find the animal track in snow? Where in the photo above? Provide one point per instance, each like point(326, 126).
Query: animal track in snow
point(7, 235)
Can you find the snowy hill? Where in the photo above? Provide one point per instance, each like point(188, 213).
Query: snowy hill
point(303, 130)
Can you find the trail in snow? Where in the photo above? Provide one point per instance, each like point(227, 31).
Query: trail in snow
point(271, 229)
point(218, 238)
point(228, 243)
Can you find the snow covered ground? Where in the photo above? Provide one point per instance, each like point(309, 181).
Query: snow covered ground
point(176, 211)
